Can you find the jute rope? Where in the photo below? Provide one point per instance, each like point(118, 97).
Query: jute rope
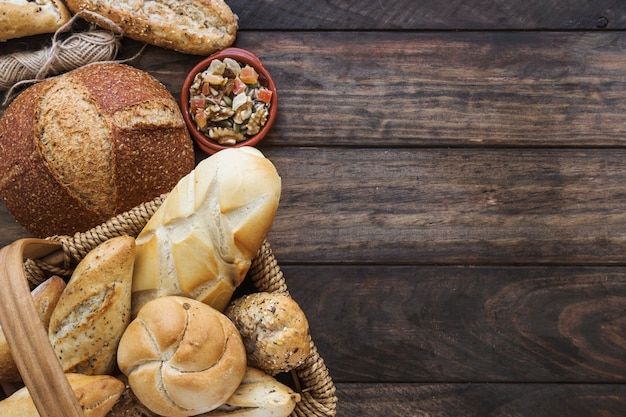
point(64, 54)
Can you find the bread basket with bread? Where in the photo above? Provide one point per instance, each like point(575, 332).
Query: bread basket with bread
point(28, 262)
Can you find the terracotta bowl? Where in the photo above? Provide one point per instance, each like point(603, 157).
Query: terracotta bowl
point(244, 57)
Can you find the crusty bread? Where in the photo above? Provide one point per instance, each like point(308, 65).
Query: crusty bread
point(259, 395)
point(198, 27)
point(202, 239)
point(96, 395)
point(94, 310)
point(87, 145)
point(181, 357)
point(45, 297)
point(19, 18)
point(274, 330)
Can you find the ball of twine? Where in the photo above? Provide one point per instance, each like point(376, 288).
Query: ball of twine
point(77, 50)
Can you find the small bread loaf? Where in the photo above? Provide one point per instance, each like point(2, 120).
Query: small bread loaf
point(274, 330)
point(94, 310)
point(89, 144)
point(259, 395)
point(198, 27)
point(96, 396)
point(45, 296)
point(181, 357)
point(201, 241)
point(19, 18)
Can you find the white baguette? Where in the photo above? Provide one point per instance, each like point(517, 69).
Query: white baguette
point(201, 241)
point(19, 18)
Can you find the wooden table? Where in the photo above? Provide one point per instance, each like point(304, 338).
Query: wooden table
point(453, 218)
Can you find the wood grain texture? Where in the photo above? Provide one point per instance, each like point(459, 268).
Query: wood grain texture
point(450, 206)
point(452, 219)
point(530, 89)
point(481, 400)
point(430, 14)
point(466, 323)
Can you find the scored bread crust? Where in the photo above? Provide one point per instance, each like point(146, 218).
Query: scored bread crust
point(87, 145)
point(19, 18)
point(198, 27)
point(202, 239)
point(182, 357)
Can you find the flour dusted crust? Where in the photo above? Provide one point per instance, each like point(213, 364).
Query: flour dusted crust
point(182, 357)
point(201, 241)
point(94, 309)
point(198, 27)
point(19, 18)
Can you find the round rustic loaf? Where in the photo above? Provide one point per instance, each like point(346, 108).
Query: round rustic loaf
point(182, 357)
point(87, 145)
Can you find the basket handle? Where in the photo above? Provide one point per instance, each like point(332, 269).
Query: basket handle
point(34, 356)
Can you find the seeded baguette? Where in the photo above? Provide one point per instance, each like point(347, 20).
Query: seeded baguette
point(198, 27)
point(94, 310)
point(19, 18)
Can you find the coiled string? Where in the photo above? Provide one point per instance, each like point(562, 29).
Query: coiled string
point(76, 50)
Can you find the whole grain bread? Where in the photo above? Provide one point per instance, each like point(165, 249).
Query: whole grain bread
point(87, 145)
point(198, 27)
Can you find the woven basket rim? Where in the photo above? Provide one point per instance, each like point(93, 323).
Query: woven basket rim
point(312, 378)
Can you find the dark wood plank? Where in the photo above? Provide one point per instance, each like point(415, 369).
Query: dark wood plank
point(466, 324)
point(448, 206)
point(481, 400)
point(430, 14)
point(437, 89)
point(451, 89)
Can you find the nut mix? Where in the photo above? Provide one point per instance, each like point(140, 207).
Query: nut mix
point(229, 102)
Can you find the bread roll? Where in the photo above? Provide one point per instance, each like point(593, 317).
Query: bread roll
point(198, 27)
point(259, 395)
point(82, 147)
point(96, 395)
point(45, 296)
point(201, 241)
point(94, 310)
point(274, 330)
point(19, 18)
point(181, 357)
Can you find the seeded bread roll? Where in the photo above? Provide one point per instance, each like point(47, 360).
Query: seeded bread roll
point(45, 296)
point(96, 395)
point(87, 145)
point(198, 27)
point(274, 330)
point(182, 357)
point(19, 18)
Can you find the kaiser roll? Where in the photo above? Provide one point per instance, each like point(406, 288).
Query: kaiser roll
point(181, 356)
point(82, 147)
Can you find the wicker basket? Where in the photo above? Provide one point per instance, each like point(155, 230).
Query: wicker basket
point(27, 262)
